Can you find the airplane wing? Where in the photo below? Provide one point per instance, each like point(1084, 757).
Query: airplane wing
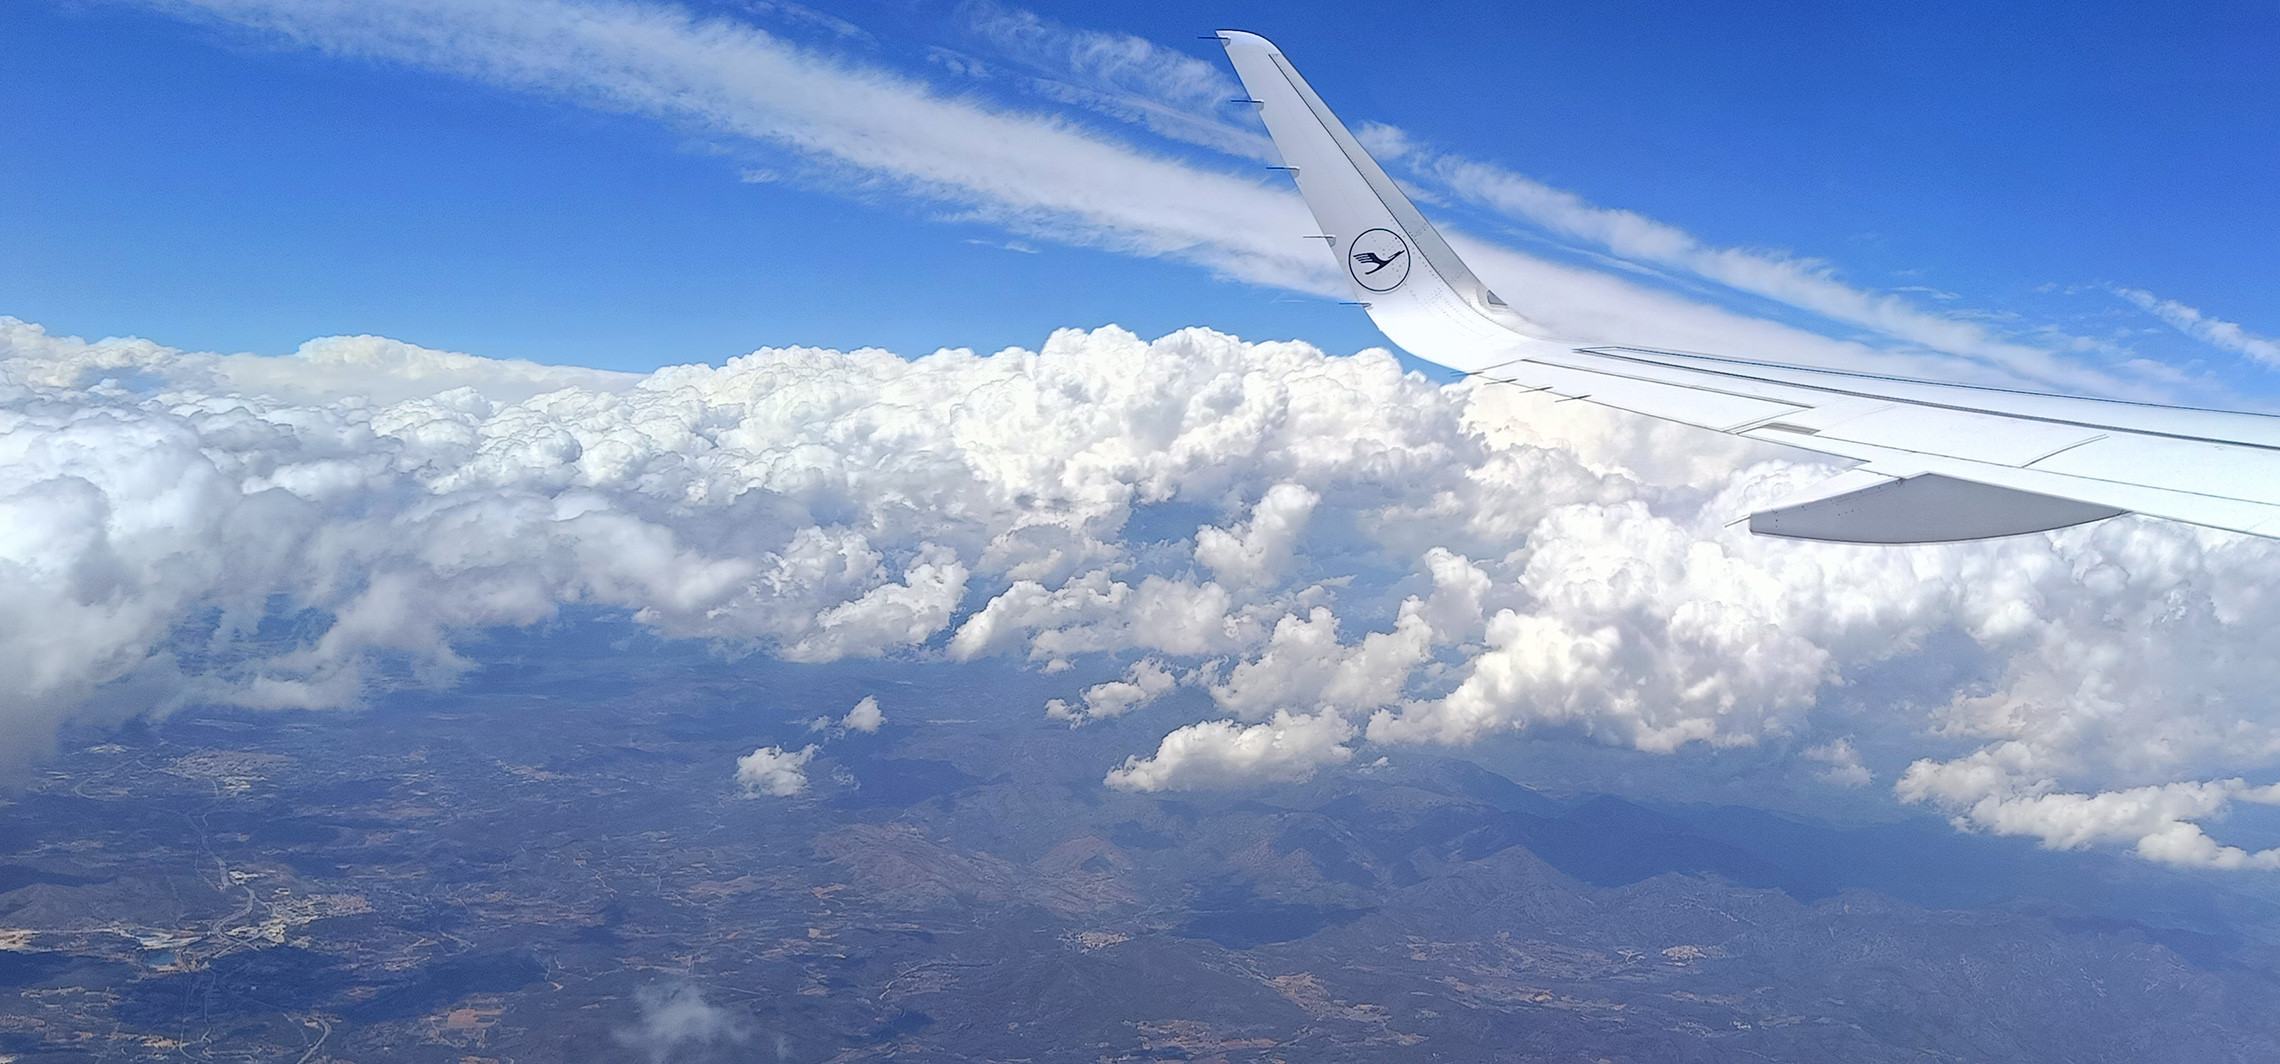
point(1939, 462)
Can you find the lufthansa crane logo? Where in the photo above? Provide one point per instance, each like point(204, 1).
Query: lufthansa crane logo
point(1379, 260)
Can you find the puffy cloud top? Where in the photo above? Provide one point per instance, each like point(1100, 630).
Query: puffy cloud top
point(1337, 554)
point(774, 771)
point(865, 717)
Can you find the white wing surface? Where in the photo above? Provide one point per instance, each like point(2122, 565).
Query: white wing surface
point(1939, 462)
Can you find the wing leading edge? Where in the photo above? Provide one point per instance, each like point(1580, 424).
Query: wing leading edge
point(1939, 462)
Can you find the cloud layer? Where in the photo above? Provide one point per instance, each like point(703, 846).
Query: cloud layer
point(1339, 559)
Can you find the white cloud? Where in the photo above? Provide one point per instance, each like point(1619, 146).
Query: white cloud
point(675, 1018)
point(2000, 789)
point(1146, 681)
point(1305, 667)
point(865, 717)
point(1841, 763)
point(1474, 564)
point(149, 529)
point(1256, 552)
point(2216, 332)
point(1096, 613)
point(1223, 753)
point(1132, 79)
point(774, 771)
point(847, 122)
point(156, 505)
point(1178, 96)
point(1806, 284)
point(1453, 613)
point(368, 369)
point(1640, 630)
point(888, 615)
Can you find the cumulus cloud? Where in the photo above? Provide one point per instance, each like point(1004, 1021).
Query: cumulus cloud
point(2001, 790)
point(1220, 753)
point(1387, 562)
point(1147, 681)
point(1639, 630)
point(1256, 552)
point(865, 717)
point(675, 1021)
point(774, 771)
point(815, 505)
point(1304, 665)
point(1840, 762)
point(1097, 613)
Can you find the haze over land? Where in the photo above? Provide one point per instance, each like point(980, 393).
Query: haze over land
point(551, 862)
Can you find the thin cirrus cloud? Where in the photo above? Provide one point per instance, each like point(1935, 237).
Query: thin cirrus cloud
point(1041, 175)
point(1176, 96)
point(1028, 172)
point(1804, 284)
point(1129, 78)
point(2216, 332)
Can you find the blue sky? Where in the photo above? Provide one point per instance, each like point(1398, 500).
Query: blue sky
point(193, 173)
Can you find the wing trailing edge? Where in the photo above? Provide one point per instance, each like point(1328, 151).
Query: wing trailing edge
point(1925, 508)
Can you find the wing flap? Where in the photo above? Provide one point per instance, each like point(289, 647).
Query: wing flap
point(1716, 411)
point(1928, 508)
point(2260, 517)
point(1953, 433)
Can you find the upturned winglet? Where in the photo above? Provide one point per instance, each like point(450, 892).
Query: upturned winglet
point(1938, 461)
point(1411, 281)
